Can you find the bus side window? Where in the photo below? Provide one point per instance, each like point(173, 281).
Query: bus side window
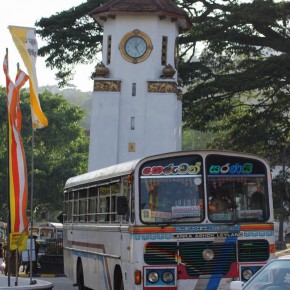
point(82, 210)
point(69, 211)
point(76, 211)
point(115, 190)
point(93, 204)
point(102, 209)
point(83, 205)
point(92, 209)
point(126, 192)
point(104, 203)
point(108, 206)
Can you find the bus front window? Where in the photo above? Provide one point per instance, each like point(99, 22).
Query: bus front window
point(236, 190)
point(174, 192)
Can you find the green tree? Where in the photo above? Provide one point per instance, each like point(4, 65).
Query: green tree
point(72, 38)
point(196, 140)
point(60, 149)
point(238, 85)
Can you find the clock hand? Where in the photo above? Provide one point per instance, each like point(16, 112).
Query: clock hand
point(139, 43)
point(136, 47)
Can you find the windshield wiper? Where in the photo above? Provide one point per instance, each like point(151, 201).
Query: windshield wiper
point(175, 220)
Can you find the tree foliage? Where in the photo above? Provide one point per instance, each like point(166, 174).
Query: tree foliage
point(234, 62)
point(60, 150)
point(72, 38)
point(240, 82)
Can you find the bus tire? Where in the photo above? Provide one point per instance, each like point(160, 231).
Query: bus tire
point(118, 279)
point(80, 276)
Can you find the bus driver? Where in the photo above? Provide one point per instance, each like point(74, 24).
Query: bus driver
point(221, 203)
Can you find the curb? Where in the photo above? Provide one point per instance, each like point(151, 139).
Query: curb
point(42, 275)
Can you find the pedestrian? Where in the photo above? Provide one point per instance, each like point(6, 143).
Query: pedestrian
point(35, 248)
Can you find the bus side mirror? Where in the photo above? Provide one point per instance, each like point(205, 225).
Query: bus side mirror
point(122, 205)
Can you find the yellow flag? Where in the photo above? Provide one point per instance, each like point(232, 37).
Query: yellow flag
point(26, 43)
point(19, 240)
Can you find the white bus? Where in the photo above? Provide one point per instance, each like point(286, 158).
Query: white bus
point(47, 231)
point(181, 220)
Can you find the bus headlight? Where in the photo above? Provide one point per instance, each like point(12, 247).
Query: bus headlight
point(167, 277)
point(247, 274)
point(153, 277)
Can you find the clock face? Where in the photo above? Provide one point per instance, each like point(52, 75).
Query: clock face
point(135, 46)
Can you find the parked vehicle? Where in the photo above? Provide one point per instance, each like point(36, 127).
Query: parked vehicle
point(50, 253)
point(48, 231)
point(275, 275)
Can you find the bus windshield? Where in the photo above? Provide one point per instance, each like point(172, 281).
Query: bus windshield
point(236, 189)
point(172, 190)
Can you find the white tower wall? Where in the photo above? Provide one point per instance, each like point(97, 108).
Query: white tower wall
point(157, 114)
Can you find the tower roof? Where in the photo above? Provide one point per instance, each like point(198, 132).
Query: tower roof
point(162, 8)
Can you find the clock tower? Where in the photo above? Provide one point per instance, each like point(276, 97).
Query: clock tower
point(136, 109)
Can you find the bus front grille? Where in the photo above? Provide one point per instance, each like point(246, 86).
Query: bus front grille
point(191, 256)
point(160, 253)
point(224, 254)
point(253, 251)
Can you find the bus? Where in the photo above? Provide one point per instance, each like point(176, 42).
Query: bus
point(47, 231)
point(46, 234)
point(181, 220)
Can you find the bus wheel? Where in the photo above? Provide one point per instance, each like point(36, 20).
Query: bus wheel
point(80, 277)
point(118, 280)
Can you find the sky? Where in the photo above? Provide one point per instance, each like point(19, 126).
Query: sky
point(26, 13)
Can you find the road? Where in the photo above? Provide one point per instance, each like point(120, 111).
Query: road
point(63, 283)
point(60, 283)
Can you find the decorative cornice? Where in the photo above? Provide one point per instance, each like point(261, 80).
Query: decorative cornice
point(162, 87)
point(107, 86)
point(161, 8)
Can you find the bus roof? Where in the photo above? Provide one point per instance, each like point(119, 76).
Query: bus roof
point(53, 225)
point(128, 167)
point(101, 174)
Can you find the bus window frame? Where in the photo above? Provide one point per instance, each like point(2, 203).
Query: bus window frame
point(106, 199)
point(266, 211)
point(198, 158)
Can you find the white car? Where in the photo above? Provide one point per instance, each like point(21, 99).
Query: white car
point(275, 275)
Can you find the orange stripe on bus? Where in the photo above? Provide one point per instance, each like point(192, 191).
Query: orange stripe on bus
point(257, 227)
point(139, 230)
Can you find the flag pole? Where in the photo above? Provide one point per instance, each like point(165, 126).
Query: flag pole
point(16, 251)
point(8, 253)
point(31, 208)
